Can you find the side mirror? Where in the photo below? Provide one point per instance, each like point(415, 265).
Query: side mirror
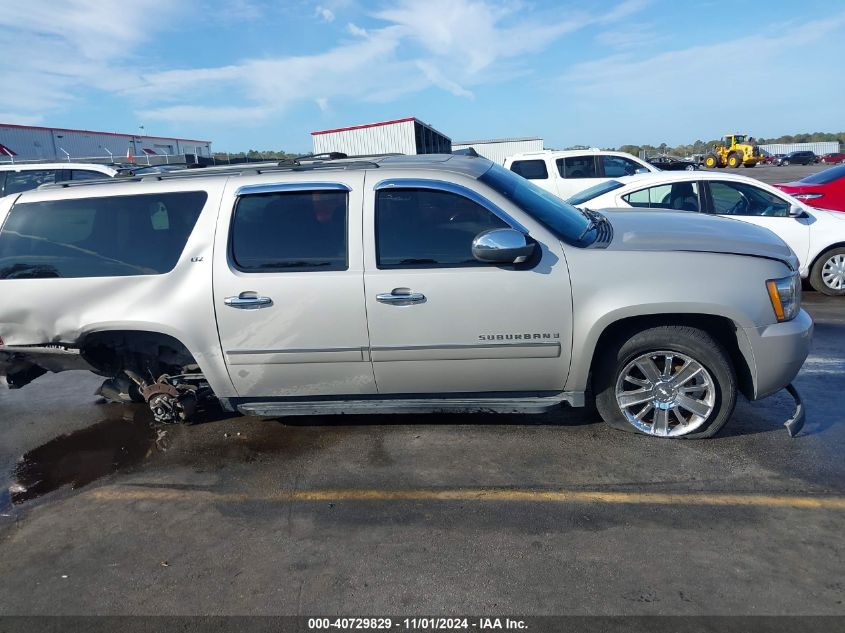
point(641, 170)
point(796, 212)
point(502, 246)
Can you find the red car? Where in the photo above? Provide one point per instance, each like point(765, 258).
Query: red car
point(824, 190)
point(833, 159)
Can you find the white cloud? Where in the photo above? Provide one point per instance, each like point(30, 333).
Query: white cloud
point(215, 115)
point(683, 73)
point(433, 74)
point(760, 87)
point(355, 30)
point(326, 15)
point(62, 50)
point(17, 118)
point(469, 35)
point(79, 46)
point(629, 36)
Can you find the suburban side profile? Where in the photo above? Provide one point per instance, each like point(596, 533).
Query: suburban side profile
point(399, 284)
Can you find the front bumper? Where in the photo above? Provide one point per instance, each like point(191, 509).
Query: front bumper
point(777, 353)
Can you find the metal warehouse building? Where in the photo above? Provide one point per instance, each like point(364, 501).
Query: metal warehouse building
point(401, 136)
point(498, 150)
point(26, 142)
point(819, 149)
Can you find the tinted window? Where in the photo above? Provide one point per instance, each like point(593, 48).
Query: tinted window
point(577, 167)
point(616, 166)
point(594, 192)
point(564, 220)
point(826, 176)
point(85, 174)
point(682, 196)
point(288, 231)
point(17, 181)
point(531, 169)
point(422, 227)
point(98, 237)
point(738, 198)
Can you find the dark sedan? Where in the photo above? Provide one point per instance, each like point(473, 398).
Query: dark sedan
point(672, 163)
point(797, 158)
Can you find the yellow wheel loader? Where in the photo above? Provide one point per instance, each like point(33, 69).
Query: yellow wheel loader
point(734, 151)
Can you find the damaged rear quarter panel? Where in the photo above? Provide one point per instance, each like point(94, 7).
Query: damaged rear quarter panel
point(178, 303)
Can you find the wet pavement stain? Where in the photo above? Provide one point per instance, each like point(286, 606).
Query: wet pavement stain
point(81, 457)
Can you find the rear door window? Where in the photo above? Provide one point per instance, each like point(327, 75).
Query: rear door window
point(577, 167)
point(530, 169)
point(18, 181)
point(681, 196)
point(98, 237)
point(290, 231)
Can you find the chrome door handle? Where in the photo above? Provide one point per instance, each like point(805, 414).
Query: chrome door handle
point(401, 297)
point(248, 301)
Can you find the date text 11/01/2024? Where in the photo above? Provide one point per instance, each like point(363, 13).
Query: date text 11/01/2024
point(417, 624)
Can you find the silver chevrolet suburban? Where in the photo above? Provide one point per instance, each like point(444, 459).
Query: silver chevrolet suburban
point(394, 285)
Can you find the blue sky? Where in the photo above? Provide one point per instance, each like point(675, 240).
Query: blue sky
point(263, 75)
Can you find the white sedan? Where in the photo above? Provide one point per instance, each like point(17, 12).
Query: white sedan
point(817, 237)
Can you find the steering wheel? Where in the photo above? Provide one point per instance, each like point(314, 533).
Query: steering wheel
point(740, 206)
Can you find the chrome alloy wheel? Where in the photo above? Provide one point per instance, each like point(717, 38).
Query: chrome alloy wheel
point(833, 272)
point(665, 393)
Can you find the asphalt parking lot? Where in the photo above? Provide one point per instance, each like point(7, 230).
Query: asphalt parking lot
point(773, 174)
point(101, 514)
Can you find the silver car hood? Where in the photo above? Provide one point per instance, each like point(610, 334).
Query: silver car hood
point(646, 230)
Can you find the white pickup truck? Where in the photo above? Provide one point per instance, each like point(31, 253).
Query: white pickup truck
point(566, 172)
point(398, 284)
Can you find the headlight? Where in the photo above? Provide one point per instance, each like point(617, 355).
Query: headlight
point(785, 294)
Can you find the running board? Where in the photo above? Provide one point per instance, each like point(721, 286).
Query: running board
point(408, 405)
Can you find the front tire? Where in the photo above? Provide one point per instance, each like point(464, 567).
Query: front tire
point(668, 381)
point(690, 168)
point(828, 273)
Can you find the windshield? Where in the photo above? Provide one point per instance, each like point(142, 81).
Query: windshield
point(567, 222)
point(594, 192)
point(826, 176)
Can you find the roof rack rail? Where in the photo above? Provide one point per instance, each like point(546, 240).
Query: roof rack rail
point(240, 170)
